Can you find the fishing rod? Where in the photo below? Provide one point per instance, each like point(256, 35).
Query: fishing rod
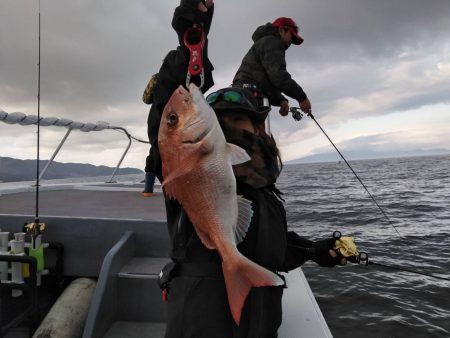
point(407, 270)
point(297, 115)
point(345, 247)
point(36, 218)
point(361, 257)
point(36, 228)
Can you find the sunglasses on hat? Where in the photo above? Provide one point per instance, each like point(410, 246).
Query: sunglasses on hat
point(229, 96)
point(238, 101)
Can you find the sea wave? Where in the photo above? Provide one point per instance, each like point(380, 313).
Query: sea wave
point(375, 301)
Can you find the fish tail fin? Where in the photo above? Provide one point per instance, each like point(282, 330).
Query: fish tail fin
point(241, 274)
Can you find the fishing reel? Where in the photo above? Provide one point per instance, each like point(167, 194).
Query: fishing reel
point(347, 248)
point(296, 113)
point(34, 228)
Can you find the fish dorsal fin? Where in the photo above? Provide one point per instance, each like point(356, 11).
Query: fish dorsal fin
point(236, 154)
point(245, 214)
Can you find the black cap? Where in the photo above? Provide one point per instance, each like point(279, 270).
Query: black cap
point(246, 103)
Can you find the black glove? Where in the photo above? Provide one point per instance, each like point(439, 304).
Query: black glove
point(300, 249)
point(320, 253)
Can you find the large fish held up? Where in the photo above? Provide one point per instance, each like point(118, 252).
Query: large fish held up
point(197, 168)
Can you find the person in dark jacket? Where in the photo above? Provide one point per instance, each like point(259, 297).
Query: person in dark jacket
point(173, 73)
point(197, 297)
point(264, 66)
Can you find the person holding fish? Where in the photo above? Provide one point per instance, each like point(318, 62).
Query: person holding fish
point(229, 235)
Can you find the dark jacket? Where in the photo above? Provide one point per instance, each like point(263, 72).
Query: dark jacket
point(200, 280)
point(264, 65)
point(267, 243)
point(173, 72)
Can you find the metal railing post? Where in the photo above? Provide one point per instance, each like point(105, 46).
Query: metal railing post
point(54, 154)
point(120, 161)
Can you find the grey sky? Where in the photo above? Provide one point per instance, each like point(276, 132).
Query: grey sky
point(367, 66)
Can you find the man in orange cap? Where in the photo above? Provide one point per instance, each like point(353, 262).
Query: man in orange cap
point(263, 68)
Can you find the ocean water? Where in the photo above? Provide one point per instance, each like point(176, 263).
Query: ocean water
point(361, 301)
point(371, 301)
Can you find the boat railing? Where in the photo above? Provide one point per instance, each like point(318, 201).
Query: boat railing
point(26, 120)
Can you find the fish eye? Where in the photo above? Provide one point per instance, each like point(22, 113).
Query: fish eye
point(172, 119)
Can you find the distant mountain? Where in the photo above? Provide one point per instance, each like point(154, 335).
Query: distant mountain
point(332, 156)
point(12, 170)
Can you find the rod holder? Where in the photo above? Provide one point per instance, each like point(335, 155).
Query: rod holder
point(17, 248)
point(4, 239)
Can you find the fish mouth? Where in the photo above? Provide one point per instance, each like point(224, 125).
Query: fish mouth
point(199, 136)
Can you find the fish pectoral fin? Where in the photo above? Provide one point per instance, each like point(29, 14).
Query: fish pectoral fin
point(168, 188)
point(245, 214)
point(236, 154)
point(172, 183)
point(206, 240)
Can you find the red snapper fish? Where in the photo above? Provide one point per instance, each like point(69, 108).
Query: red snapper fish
point(197, 169)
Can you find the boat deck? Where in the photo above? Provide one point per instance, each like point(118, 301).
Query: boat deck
point(106, 201)
point(110, 230)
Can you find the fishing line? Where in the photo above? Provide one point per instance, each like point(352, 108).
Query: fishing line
point(356, 175)
point(297, 115)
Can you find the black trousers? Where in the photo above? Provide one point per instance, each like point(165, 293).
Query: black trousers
point(198, 308)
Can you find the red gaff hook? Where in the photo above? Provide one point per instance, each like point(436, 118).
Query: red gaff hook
point(194, 40)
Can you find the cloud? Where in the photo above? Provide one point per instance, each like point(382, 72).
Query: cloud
point(400, 142)
point(360, 59)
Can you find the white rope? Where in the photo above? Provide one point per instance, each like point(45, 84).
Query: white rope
point(26, 120)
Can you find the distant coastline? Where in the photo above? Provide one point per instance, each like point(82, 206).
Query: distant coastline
point(15, 170)
point(366, 155)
